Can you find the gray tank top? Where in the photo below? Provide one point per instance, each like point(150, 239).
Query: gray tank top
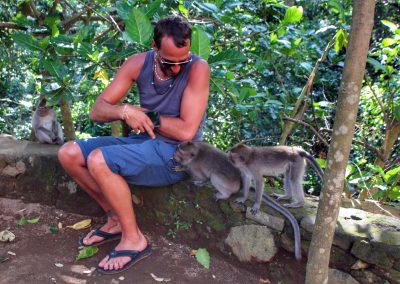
point(165, 97)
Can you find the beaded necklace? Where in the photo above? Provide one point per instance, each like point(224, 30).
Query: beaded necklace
point(155, 70)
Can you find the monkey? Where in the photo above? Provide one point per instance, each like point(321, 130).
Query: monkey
point(205, 163)
point(257, 162)
point(45, 125)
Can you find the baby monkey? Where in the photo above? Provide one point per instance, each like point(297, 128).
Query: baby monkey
point(257, 162)
point(204, 163)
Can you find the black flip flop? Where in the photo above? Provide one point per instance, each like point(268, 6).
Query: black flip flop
point(108, 237)
point(133, 254)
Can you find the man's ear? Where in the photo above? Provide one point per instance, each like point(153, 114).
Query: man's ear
point(153, 44)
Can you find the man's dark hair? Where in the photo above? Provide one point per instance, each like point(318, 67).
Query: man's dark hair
point(173, 26)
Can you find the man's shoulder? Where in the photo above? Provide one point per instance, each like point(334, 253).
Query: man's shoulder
point(134, 64)
point(200, 65)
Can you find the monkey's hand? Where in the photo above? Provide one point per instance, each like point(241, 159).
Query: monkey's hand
point(254, 209)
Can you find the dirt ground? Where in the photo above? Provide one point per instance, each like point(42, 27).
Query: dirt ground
point(39, 256)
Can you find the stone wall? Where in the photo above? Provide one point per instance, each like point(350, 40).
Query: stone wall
point(366, 247)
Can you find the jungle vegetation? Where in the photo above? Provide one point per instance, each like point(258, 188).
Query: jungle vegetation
point(276, 68)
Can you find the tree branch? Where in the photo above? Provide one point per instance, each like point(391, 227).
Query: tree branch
point(309, 126)
point(385, 116)
point(10, 25)
point(365, 144)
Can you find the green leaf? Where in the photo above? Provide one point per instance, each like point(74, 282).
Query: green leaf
point(138, 28)
point(27, 41)
point(340, 40)
point(293, 15)
point(22, 221)
point(392, 26)
point(230, 56)
point(53, 229)
point(33, 221)
point(150, 9)
point(87, 252)
point(203, 257)
point(200, 43)
point(397, 112)
point(388, 42)
point(55, 67)
point(377, 65)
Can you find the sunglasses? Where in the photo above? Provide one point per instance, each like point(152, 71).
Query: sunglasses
point(169, 64)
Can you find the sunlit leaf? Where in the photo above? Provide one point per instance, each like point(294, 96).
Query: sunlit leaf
point(293, 15)
point(388, 42)
point(200, 43)
point(87, 252)
point(203, 257)
point(340, 40)
point(33, 221)
point(392, 26)
point(397, 112)
point(81, 225)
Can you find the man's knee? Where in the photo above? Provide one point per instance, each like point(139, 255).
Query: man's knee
point(70, 153)
point(96, 162)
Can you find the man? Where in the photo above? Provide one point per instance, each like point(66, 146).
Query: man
point(170, 81)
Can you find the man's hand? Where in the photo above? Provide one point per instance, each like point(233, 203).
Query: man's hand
point(136, 118)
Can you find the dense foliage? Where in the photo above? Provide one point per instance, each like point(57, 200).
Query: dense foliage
point(261, 54)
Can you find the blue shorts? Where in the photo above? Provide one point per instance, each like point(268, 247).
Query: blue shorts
point(137, 158)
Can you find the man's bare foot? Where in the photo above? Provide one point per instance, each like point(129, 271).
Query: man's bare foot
point(116, 263)
point(112, 226)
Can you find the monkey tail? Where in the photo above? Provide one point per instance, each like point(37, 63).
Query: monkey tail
point(313, 162)
point(285, 212)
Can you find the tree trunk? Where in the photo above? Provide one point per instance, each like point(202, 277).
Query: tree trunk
point(343, 132)
point(391, 136)
point(67, 120)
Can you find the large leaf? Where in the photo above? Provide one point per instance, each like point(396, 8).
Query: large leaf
point(138, 28)
point(55, 67)
point(293, 15)
point(230, 56)
point(200, 43)
point(27, 41)
point(150, 9)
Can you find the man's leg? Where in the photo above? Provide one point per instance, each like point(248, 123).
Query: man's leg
point(117, 195)
point(71, 158)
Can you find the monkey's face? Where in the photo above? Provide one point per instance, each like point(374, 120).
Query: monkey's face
point(239, 155)
point(186, 152)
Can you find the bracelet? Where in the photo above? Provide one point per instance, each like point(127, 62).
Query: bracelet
point(125, 116)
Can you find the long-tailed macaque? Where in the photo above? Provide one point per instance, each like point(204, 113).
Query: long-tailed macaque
point(257, 162)
point(45, 124)
point(204, 163)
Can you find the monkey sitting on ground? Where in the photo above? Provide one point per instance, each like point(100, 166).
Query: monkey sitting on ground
point(257, 162)
point(45, 124)
point(204, 163)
